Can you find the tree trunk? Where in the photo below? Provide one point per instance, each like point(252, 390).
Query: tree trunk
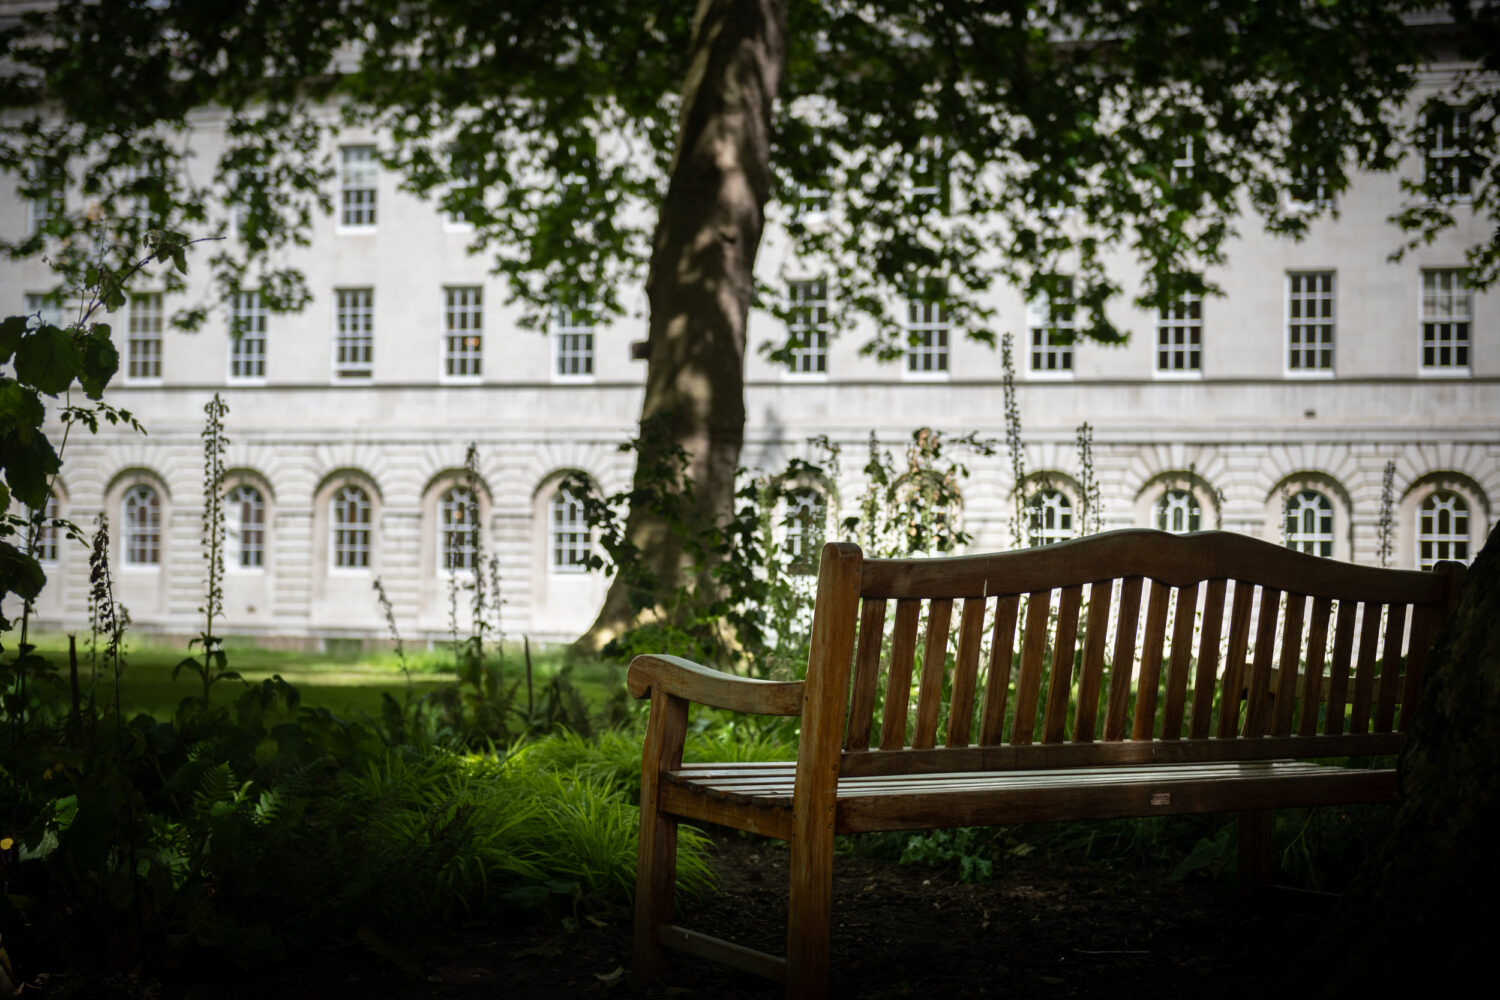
point(1421, 909)
point(700, 285)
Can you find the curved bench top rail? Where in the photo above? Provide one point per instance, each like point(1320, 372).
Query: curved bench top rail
point(1175, 560)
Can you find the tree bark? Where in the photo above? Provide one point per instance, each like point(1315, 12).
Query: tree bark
point(699, 286)
point(1421, 910)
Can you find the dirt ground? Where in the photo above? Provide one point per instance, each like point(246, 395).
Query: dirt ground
point(899, 931)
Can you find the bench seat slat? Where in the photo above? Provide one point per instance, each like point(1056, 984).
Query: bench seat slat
point(894, 802)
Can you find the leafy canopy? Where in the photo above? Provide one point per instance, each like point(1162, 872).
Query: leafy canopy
point(977, 142)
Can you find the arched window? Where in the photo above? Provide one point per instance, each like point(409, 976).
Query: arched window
point(568, 534)
point(245, 527)
point(806, 516)
point(458, 517)
point(1442, 529)
point(1309, 523)
point(1177, 511)
point(350, 516)
point(1049, 518)
point(44, 541)
point(141, 515)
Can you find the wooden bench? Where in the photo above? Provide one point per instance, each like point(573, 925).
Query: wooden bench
point(1205, 670)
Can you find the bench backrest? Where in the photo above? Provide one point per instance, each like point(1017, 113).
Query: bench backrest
point(1129, 646)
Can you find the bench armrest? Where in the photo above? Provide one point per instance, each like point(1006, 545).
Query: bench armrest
point(705, 686)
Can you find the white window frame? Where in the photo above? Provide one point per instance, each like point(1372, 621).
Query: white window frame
point(1436, 508)
point(45, 543)
point(1298, 319)
point(140, 536)
point(137, 206)
point(1050, 518)
point(1441, 153)
point(245, 529)
point(454, 532)
point(1042, 319)
point(45, 308)
point(463, 333)
point(1312, 181)
point(40, 211)
point(1446, 322)
point(1176, 506)
point(804, 520)
point(572, 335)
point(569, 539)
point(359, 176)
point(1182, 165)
point(145, 320)
point(1179, 338)
point(807, 306)
point(247, 352)
point(351, 530)
point(1308, 520)
point(353, 348)
point(928, 332)
point(930, 164)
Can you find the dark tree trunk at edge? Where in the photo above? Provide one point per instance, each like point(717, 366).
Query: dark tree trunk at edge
point(1422, 910)
point(701, 280)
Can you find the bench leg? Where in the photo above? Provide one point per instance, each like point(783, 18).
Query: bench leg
point(809, 912)
point(656, 853)
point(1254, 836)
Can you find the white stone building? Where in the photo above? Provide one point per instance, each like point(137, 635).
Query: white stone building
point(349, 422)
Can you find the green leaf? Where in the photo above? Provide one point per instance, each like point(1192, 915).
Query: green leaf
point(47, 359)
point(11, 332)
point(100, 361)
point(29, 461)
point(19, 573)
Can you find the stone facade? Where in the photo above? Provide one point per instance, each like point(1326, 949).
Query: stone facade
point(1242, 434)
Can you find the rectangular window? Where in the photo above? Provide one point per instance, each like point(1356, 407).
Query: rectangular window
point(46, 200)
point(46, 310)
point(573, 343)
point(1310, 321)
point(927, 333)
point(463, 332)
point(354, 333)
point(1447, 312)
point(247, 337)
point(1182, 165)
point(137, 205)
point(1179, 336)
point(143, 337)
point(1050, 319)
point(1447, 172)
point(1309, 190)
point(807, 327)
point(929, 178)
point(357, 186)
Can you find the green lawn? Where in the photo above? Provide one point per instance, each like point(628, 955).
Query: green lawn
point(347, 684)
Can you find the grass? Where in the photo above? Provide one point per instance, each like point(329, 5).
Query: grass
point(348, 684)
